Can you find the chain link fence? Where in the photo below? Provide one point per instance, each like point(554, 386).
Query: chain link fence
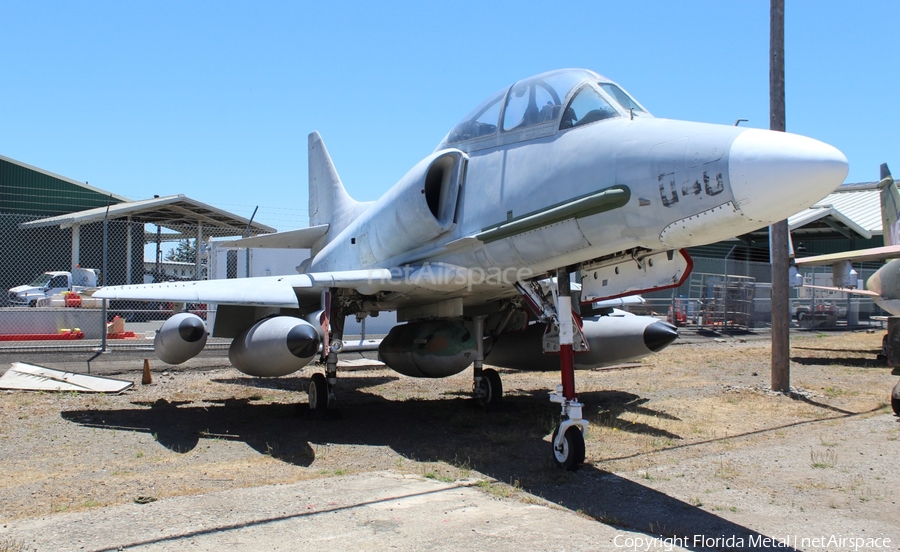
point(722, 295)
point(45, 268)
point(47, 273)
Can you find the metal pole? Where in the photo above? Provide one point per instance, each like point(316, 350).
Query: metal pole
point(197, 247)
point(781, 310)
point(156, 276)
point(128, 254)
point(104, 274)
point(247, 235)
point(76, 245)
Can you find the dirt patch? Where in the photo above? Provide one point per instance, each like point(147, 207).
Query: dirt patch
point(689, 440)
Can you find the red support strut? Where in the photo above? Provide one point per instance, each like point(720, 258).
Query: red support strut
point(566, 333)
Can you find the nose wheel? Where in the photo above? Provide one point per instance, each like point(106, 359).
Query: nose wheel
point(568, 448)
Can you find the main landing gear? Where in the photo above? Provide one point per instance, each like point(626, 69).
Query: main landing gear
point(895, 399)
point(487, 387)
point(564, 337)
point(318, 392)
point(321, 386)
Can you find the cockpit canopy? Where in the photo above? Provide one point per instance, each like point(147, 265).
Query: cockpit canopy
point(537, 104)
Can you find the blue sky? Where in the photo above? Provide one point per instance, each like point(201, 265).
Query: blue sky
point(216, 99)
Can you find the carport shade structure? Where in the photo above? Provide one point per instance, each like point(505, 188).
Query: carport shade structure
point(173, 212)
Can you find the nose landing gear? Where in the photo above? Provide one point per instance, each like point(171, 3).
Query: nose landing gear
point(564, 337)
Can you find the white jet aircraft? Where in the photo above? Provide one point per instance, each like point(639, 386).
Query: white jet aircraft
point(884, 285)
point(560, 173)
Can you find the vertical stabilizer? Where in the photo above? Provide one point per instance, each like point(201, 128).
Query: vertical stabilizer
point(329, 202)
point(890, 207)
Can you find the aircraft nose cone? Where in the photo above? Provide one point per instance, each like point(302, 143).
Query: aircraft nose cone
point(303, 341)
point(777, 174)
point(658, 335)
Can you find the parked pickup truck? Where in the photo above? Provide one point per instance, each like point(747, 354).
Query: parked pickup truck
point(51, 283)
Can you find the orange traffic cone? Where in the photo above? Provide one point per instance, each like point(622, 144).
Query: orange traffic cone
point(147, 379)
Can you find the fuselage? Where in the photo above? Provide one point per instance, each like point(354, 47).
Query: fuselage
point(675, 184)
point(886, 283)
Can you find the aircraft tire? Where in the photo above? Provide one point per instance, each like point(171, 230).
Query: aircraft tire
point(492, 387)
point(895, 399)
point(571, 456)
point(318, 392)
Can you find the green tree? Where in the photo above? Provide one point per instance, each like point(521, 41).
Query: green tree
point(186, 252)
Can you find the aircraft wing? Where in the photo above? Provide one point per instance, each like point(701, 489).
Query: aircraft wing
point(861, 255)
point(851, 291)
point(303, 238)
point(273, 291)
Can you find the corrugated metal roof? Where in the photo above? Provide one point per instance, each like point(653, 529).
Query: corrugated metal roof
point(170, 211)
point(837, 220)
point(859, 203)
point(28, 190)
point(851, 211)
point(84, 185)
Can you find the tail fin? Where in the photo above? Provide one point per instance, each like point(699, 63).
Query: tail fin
point(890, 207)
point(329, 202)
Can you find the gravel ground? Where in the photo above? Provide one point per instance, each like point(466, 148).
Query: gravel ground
point(687, 443)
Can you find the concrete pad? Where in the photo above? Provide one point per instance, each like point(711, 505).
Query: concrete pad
point(359, 512)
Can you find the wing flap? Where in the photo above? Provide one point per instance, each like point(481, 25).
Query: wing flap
point(270, 291)
point(276, 291)
point(283, 291)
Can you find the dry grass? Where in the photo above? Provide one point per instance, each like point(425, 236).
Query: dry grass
point(7, 545)
point(199, 432)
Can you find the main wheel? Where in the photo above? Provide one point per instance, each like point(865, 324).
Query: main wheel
point(570, 455)
point(895, 399)
point(491, 387)
point(318, 392)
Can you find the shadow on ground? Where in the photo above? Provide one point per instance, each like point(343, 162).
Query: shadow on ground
point(871, 362)
point(510, 445)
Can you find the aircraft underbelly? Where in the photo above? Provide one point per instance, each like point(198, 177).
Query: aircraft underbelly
point(890, 305)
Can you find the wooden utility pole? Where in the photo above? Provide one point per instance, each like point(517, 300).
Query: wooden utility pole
point(778, 232)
